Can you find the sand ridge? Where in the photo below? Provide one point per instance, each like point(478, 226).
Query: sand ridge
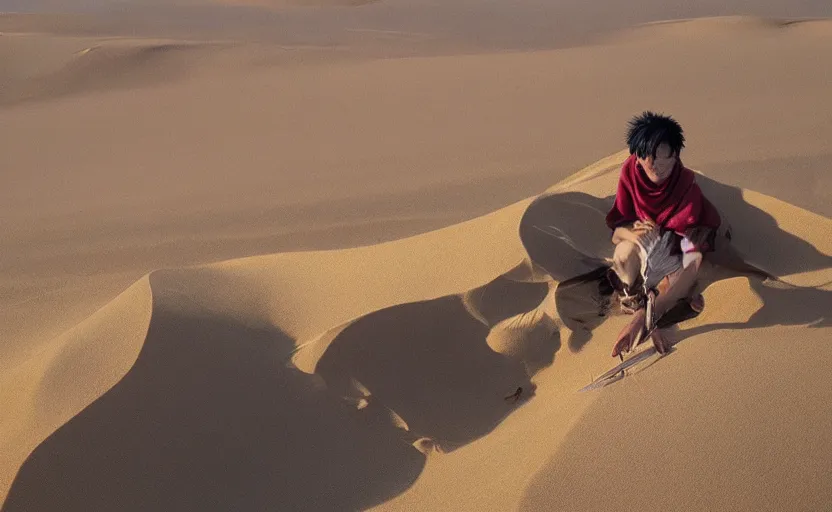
point(434, 369)
point(247, 274)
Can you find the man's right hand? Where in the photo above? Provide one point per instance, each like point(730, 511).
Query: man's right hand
point(645, 232)
point(641, 232)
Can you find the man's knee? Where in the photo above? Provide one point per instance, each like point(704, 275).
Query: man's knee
point(627, 261)
point(627, 253)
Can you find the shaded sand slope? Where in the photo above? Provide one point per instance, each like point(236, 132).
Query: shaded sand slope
point(213, 311)
point(181, 393)
point(209, 418)
point(213, 151)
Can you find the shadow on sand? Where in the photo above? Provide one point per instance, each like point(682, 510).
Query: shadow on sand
point(431, 364)
point(209, 418)
point(781, 306)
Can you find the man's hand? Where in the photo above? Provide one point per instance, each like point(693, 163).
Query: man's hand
point(641, 232)
point(645, 231)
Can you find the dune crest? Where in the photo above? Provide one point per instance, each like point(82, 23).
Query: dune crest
point(410, 347)
point(69, 373)
point(72, 66)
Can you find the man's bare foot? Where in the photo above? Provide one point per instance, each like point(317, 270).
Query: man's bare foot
point(628, 338)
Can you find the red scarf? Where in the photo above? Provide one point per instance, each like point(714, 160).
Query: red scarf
point(676, 204)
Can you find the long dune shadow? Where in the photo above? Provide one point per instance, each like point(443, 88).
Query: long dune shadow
point(209, 418)
point(757, 236)
point(782, 305)
point(430, 363)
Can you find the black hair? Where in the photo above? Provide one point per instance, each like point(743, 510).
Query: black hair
point(648, 131)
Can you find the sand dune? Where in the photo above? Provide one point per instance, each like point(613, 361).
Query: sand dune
point(89, 66)
point(197, 157)
point(259, 269)
point(151, 397)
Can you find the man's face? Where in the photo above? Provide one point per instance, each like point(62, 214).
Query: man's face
point(658, 169)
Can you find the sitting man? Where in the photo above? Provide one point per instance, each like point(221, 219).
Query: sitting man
point(657, 200)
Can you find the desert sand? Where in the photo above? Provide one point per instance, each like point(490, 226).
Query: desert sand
point(300, 255)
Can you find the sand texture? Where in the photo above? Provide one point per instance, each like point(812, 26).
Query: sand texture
point(306, 259)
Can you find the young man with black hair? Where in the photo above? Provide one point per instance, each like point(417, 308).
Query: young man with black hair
point(657, 200)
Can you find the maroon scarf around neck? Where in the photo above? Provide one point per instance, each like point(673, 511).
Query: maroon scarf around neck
point(676, 204)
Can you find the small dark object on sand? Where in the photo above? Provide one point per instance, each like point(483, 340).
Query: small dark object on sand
point(514, 397)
